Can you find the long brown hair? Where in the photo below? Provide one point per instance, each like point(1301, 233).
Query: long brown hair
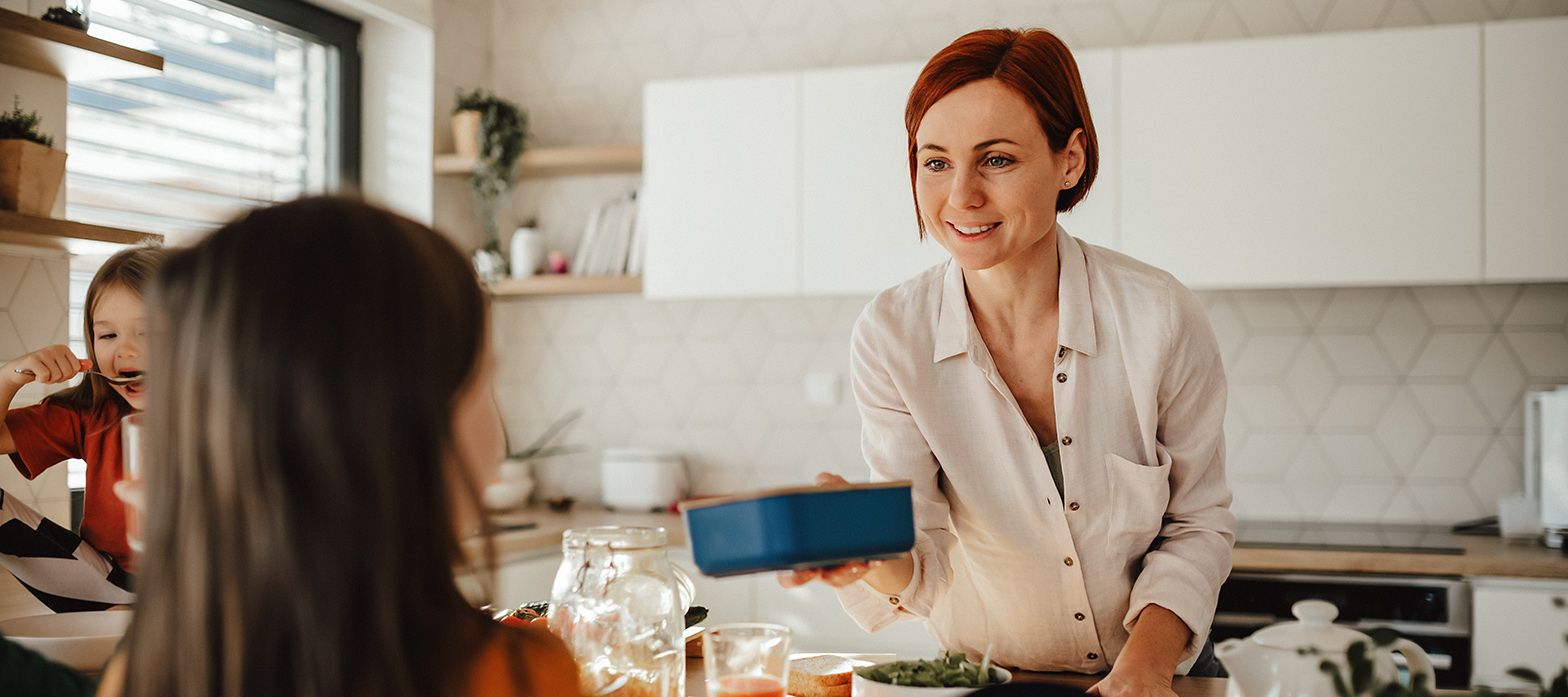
point(1032, 63)
point(131, 269)
point(299, 535)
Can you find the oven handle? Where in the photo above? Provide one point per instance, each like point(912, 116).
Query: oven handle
point(1244, 619)
point(1440, 661)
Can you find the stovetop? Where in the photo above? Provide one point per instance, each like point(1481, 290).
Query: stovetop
point(1348, 537)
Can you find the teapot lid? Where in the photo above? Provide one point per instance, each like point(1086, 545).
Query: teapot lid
point(1314, 627)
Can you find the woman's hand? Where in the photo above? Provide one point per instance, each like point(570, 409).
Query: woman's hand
point(1128, 680)
point(1149, 660)
point(880, 573)
point(48, 365)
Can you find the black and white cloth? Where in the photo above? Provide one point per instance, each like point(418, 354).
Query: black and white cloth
point(58, 567)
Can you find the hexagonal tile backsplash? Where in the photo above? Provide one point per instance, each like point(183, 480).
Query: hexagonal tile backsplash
point(1367, 405)
point(33, 311)
point(1380, 404)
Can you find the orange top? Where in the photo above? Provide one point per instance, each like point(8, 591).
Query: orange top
point(546, 665)
point(547, 668)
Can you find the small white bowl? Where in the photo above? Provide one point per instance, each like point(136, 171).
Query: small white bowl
point(81, 640)
point(862, 687)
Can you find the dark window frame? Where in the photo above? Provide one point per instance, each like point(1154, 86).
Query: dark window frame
point(338, 31)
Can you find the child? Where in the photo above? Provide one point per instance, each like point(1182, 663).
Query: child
point(320, 421)
point(67, 573)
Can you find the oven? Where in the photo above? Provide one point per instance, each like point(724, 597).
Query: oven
point(1432, 611)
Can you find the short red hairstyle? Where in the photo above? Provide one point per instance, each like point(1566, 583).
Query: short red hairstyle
point(1031, 62)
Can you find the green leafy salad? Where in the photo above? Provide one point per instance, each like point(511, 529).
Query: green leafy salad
point(949, 670)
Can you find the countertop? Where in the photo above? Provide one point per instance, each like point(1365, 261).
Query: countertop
point(1184, 686)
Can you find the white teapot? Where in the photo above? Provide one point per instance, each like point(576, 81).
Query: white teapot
point(1284, 660)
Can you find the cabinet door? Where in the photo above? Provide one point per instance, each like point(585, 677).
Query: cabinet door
point(1526, 150)
point(526, 579)
point(1518, 623)
point(721, 187)
point(1322, 160)
point(858, 228)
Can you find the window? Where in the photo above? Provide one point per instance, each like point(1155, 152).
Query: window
point(258, 103)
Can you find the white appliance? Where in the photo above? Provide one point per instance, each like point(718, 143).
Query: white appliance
point(641, 479)
point(1546, 459)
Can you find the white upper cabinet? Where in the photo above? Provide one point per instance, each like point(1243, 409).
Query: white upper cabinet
point(1527, 150)
point(721, 168)
point(858, 228)
point(1094, 218)
point(1327, 160)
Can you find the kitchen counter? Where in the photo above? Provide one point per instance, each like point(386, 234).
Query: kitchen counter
point(1482, 556)
point(545, 536)
point(1184, 686)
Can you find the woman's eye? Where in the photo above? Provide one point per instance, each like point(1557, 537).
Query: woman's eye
point(935, 165)
point(998, 161)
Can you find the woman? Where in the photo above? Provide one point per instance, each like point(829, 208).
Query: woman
point(1058, 406)
point(320, 420)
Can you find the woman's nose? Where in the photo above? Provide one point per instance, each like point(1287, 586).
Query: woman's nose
point(967, 191)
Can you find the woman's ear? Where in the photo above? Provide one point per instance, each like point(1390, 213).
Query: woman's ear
point(1073, 158)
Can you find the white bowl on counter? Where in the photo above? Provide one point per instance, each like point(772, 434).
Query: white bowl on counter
point(82, 640)
point(861, 687)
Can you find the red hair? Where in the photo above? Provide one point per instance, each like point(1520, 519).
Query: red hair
point(1032, 63)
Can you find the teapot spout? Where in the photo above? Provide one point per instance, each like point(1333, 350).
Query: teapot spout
point(1251, 673)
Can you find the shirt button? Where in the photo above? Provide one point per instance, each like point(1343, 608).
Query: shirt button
point(1068, 561)
point(1061, 352)
point(893, 599)
point(1072, 506)
point(1093, 656)
point(1067, 440)
point(1061, 377)
point(1078, 616)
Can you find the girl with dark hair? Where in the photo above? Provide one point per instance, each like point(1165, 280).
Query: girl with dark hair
point(66, 572)
point(1057, 405)
point(320, 421)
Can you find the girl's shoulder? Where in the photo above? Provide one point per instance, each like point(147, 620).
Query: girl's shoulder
point(524, 661)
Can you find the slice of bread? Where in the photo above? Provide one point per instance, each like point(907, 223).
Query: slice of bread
point(824, 675)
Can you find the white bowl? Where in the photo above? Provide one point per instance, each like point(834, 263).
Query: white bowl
point(861, 687)
point(81, 640)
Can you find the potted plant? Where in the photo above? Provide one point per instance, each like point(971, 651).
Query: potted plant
point(515, 481)
point(501, 138)
point(30, 167)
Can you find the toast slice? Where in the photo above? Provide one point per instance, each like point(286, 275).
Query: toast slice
point(824, 675)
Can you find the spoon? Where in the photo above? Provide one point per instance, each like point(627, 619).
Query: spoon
point(985, 664)
point(112, 379)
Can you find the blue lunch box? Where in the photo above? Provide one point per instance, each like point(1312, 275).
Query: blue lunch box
point(799, 528)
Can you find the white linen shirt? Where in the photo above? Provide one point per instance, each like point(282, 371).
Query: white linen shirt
point(999, 557)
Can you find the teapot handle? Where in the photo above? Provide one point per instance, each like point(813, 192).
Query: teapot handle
point(1417, 661)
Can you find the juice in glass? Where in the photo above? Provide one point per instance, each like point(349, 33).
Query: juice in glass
point(746, 686)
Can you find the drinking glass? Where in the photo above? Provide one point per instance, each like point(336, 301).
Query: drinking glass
point(746, 660)
point(131, 457)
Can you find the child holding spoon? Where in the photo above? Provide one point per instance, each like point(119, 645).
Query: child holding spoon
point(90, 572)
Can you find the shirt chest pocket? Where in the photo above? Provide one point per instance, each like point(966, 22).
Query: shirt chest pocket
point(1139, 495)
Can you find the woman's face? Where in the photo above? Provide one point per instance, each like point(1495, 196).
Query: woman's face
point(986, 178)
point(119, 333)
point(478, 438)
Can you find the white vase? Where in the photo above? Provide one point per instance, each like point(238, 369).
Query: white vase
point(527, 252)
point(512, 488)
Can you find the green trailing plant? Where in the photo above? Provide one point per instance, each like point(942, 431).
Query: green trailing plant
point(503, 135)
point(1363, 676)
point(19, 125)
point(542, 448)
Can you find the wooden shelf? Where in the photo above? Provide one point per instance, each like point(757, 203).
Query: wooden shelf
point(11, 221)
point(561, 284)
point(557, 162)
point(53, 49)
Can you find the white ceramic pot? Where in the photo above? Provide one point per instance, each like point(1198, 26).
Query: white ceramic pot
point(527, 252)
point(641, 479)
point(82, 640)
point(512, 488)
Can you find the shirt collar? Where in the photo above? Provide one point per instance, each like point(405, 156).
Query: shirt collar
point(955, 331)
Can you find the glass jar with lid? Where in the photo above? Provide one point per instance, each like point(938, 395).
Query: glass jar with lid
point(620, 606)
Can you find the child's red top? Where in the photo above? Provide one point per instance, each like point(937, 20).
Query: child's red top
point(47, 434)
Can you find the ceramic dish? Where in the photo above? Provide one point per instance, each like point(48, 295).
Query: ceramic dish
point(871, 688)
point(81, 640)
point(799, 528)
